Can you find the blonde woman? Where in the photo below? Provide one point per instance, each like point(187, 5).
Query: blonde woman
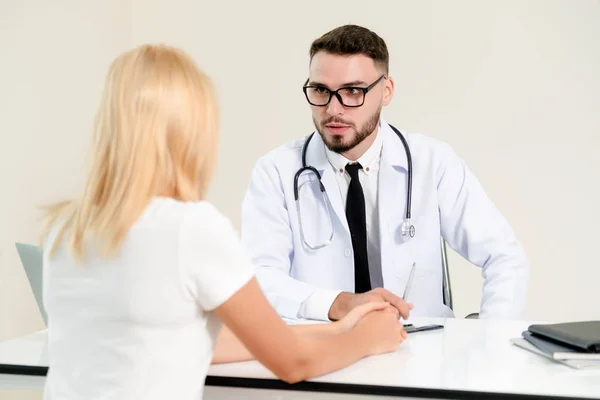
point(140, 271)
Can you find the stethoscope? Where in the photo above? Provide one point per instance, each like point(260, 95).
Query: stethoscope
point(407, 228)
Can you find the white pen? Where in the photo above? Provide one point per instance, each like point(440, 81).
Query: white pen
point(410, 278)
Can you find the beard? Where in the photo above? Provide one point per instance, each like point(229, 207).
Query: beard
point(337, 143)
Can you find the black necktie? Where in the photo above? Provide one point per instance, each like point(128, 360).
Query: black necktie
point(357, 222)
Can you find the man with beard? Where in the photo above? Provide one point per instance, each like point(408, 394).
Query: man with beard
point(355, 212)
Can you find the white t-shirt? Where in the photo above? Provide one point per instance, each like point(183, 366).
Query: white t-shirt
point(139, 325)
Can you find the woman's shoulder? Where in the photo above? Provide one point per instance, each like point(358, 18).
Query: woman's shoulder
point(203, 211)
point(200, 217)
point(207, 234)
point(192, 209)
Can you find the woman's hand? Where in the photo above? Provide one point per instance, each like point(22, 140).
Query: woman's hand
point(358, 313)
point(381, 332)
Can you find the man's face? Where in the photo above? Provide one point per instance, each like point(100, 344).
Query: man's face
point(341, 127)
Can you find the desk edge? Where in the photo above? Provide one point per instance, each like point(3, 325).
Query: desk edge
point(327, 387)
point(373, 390)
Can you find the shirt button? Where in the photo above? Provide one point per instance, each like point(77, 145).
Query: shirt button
point(348, 252)
point(367, 169)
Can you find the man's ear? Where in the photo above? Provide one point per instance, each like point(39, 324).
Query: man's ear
point(388, 91)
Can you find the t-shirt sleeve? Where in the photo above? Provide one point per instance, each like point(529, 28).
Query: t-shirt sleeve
point(215, 263)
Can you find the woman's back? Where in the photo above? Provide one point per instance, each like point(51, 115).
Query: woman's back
point(138, 267)
point(137, 325)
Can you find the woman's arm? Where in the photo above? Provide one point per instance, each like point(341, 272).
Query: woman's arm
point(230, 349)
point(302, 352)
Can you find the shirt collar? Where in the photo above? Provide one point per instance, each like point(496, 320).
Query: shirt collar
point(368, 160)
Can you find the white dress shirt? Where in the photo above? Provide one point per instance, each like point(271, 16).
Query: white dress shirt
point(368, 177)
point(317, 303)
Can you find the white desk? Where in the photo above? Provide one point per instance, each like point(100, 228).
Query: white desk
point(470, 359)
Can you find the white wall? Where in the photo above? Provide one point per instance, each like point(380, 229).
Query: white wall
point(54, 55)
point(512, 85)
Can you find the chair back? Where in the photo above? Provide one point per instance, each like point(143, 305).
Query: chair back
point(32, 260)
point(446, 288)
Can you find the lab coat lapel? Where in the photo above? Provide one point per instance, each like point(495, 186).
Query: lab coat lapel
point(316, 153)
point(393, 173)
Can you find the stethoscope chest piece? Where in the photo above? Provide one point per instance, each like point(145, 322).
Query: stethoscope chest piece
point(407, 229)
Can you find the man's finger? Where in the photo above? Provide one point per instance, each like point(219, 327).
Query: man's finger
point(366, 308)
point(402, 307)
point(394, 311)
point(391, 308)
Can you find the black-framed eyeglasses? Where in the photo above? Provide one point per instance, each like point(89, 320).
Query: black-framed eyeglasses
point(348, 96)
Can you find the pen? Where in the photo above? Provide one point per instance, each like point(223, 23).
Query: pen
point(410, 278)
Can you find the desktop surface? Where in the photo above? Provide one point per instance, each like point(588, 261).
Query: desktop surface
point(467, 359)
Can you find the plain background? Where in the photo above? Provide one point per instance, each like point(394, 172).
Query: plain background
point(512, 86)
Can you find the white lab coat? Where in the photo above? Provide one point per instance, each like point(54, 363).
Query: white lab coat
point(447, 200)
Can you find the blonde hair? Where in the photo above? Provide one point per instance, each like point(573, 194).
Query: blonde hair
point(155, 133)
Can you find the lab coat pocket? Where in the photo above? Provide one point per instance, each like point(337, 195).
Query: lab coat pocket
point(423, 250)
point(407, 247)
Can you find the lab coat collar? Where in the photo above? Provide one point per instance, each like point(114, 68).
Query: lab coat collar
point(393, 152)
point(317, 157)
point(316, 154)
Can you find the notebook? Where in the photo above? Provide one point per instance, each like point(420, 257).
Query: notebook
point(592, 365)
point(582, 335)
point(558, 351)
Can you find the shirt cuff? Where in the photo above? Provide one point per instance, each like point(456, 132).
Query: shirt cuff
point(317, 305)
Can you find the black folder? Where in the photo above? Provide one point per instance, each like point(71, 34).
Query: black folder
point(583, 335)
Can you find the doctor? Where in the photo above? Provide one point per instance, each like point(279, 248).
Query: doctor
point(320, 251)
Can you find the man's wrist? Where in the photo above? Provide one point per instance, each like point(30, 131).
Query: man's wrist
point(317, 305)
point(339, 307)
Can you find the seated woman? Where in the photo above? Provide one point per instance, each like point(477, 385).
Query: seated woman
point(141, 271)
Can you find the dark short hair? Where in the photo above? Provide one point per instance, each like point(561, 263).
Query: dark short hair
point(351, 40)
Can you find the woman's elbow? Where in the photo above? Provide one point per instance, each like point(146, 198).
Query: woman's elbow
point(291, 377)
point(294, 371)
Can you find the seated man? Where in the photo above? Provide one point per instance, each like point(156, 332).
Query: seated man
point(385, 200)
